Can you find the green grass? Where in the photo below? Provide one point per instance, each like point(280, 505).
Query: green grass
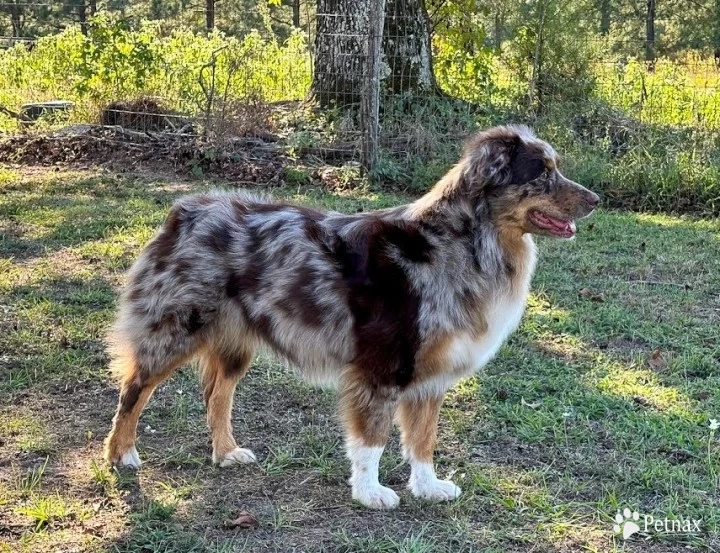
point(601, 401)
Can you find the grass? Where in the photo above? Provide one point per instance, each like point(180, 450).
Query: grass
point(600, 401)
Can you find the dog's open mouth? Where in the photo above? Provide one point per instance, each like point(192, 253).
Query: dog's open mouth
point(558, 227)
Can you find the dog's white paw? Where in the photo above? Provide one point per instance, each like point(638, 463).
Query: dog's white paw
point(130, 459)
point(435, 489)
point(376, 496)
point(237, 456)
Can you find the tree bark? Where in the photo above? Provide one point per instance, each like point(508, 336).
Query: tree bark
point(15, 11)
point(210, 15)
point(498, 26)
point(296, 13)
point(407, 49)
point(650, 34)
point(604, 17)
point(716, 34)
point(341, 49)
point(82, 17)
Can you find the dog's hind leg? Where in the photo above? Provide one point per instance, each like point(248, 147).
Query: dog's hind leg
point(137, 383)
point(368, 414)
point(220, 373)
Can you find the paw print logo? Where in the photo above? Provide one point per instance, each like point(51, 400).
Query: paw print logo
point(626, 523)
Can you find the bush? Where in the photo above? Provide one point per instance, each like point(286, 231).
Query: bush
point(116, 62)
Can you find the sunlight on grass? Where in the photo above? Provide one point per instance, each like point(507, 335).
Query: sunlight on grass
point(687, 223)
point(29, 433)
point(631, 382)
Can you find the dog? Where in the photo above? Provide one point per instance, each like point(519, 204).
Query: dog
point(391, 306)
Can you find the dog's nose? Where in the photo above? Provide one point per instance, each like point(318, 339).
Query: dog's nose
point(593, 200)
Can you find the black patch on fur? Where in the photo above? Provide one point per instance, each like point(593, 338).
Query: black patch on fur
point(190, 220)
point(263, 325)
point(233, 285)
point(219, 238)
point(409, 240)
point(240, 210)
point(526, 164)
point(317, 235)
point(129, 397)
point(180, 268)
point(135, 292)
point(167, 320)
point(384, 306)
point(194, 322)
point(162, 247)
point(236, 363)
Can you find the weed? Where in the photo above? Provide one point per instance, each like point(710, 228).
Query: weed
point(33, 478)
point(44, 510)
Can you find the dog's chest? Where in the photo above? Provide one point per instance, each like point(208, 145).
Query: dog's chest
point(468, 353)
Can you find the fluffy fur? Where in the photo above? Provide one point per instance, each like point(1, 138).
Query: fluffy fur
point(392, 306)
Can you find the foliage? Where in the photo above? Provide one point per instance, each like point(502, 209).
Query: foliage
point(116, 60)
point(642, 131)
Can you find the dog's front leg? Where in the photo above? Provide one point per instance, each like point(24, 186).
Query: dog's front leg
point(367, 414)
point(418, 420)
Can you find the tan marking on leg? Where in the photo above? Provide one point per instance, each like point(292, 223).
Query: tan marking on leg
point(220, 375)
point(418, 420)
point(135, 391)
point(432, 359)
point(367, 414)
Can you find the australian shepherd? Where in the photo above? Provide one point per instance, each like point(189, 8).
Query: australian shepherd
point(392, 306)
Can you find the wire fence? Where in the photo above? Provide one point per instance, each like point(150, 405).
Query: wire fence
point(389, 80)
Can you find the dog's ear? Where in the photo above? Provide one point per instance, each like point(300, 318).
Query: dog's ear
point(489, 158)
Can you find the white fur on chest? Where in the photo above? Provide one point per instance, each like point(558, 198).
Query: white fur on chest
point(468, 352)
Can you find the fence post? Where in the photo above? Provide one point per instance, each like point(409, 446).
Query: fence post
point(210, 15)
point(370, 104)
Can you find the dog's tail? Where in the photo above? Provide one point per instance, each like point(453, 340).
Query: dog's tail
point(122, 352)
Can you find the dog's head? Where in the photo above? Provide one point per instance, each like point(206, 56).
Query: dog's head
point(514, 178)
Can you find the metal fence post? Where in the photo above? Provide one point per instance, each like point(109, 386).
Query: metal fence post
point(370, 104)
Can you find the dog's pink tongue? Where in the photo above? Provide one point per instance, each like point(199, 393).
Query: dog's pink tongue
point(562, 226)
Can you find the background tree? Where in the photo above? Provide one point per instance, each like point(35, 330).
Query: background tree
point(341, 42)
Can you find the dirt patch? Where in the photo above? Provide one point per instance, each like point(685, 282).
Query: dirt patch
point(246, 159)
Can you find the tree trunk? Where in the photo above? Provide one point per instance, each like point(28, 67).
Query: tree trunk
point(604, 17)
point(82, 17)
point(296, 13)
point(716, 34)
point(498, 26)
point(407, 48)
point(650, 34)
point(210, 15)
point(15, 11)
point(341, 47)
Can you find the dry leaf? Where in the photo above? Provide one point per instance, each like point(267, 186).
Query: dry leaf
point(243, 520)
point(592, 296)
point(641, 400)
point(657, 360)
